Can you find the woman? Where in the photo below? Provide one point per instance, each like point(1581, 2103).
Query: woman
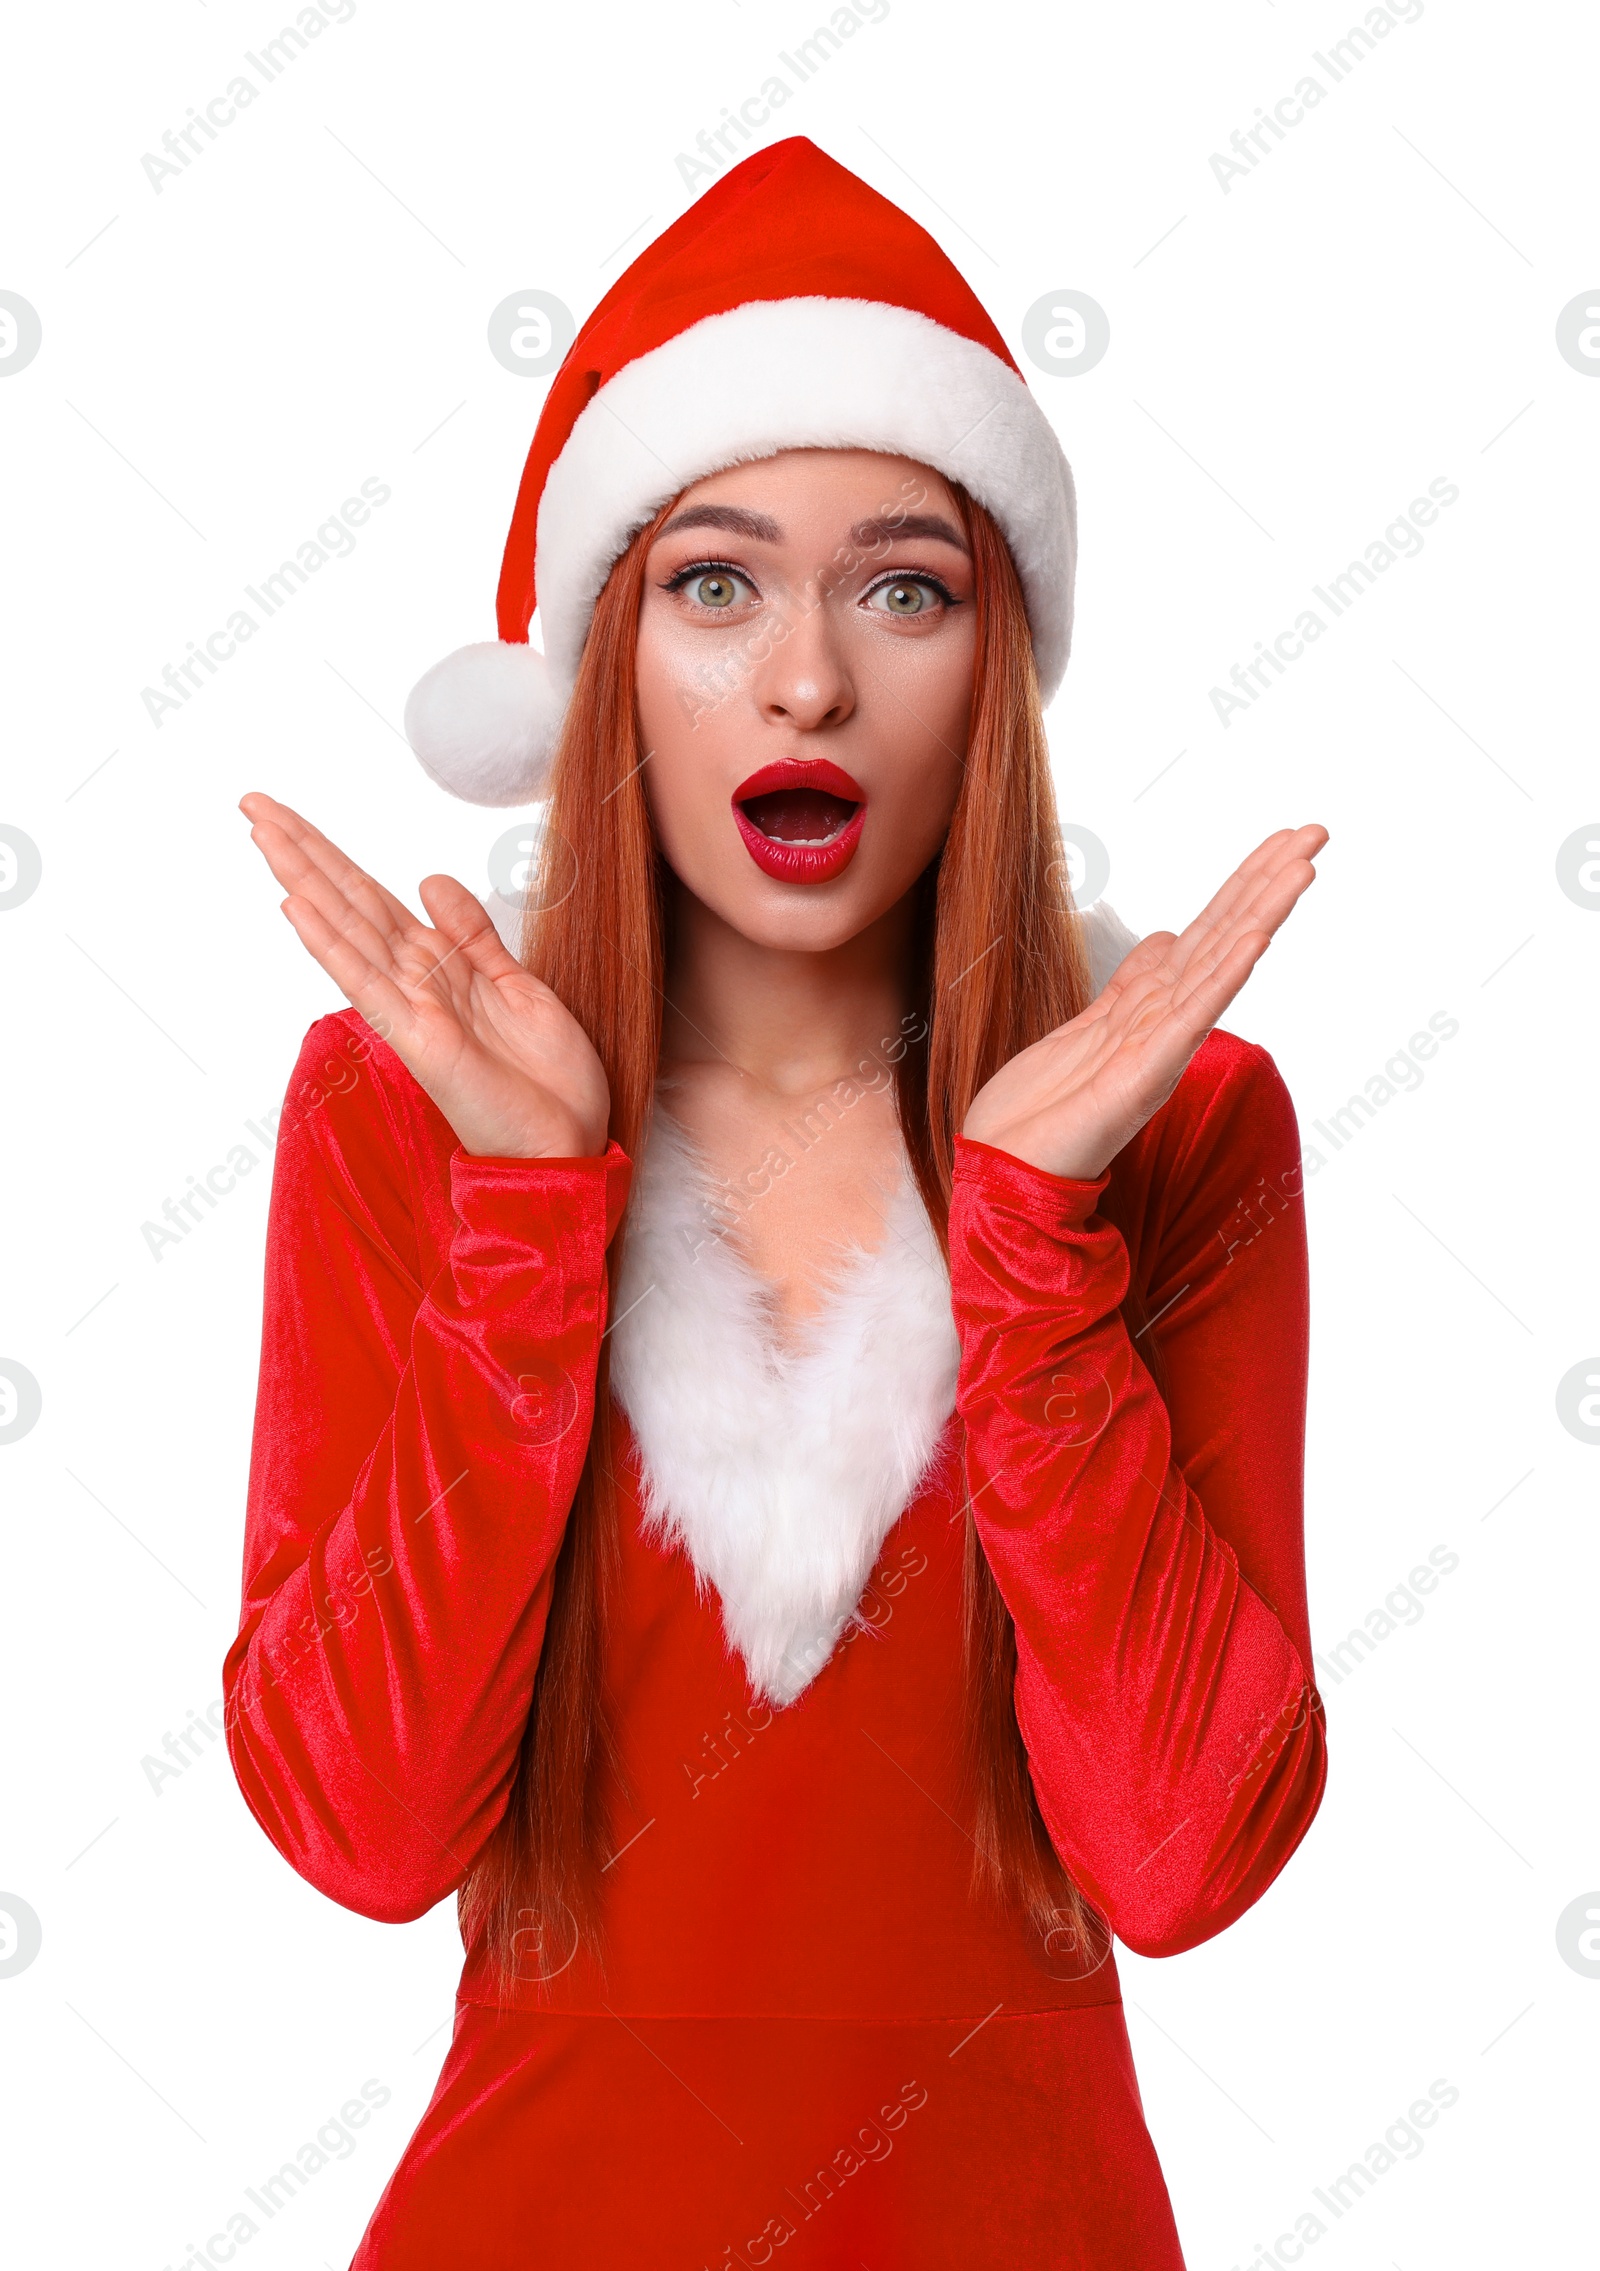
point(806, 1603)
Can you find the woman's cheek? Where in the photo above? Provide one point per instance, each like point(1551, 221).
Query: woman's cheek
point(677, 807)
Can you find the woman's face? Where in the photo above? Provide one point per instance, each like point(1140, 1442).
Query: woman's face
point(805, 663)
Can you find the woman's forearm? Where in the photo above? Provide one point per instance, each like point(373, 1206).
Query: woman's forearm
point(415, 1460)
point(1175, 1740)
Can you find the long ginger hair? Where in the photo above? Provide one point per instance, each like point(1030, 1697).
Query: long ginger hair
point(999, 961)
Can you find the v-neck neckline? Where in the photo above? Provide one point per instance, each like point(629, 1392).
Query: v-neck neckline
point(788, 1339)
point(777, 1468)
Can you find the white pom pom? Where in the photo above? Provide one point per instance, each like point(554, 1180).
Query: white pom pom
point(1108, 939)
point(484, 722)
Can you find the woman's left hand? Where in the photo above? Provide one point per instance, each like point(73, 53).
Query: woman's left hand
point(1070, 1102)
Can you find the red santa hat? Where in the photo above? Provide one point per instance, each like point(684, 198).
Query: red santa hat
point(791, 306)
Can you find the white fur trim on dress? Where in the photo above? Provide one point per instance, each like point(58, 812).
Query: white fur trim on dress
point(778, 1469)
point(769, 375)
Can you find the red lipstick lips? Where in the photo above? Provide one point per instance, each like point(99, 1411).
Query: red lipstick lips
point(801, 823)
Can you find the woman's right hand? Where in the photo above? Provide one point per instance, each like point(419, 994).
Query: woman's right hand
point(512, 1071)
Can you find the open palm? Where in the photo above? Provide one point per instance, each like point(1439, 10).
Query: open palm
point(1070, 1102)
point(511, 1070)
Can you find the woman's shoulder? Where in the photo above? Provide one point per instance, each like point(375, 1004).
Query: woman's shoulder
point(353, 1102)
point(1230, 1101)
point(1226, 1135)
point(1226, 1078)
point(344, 1065)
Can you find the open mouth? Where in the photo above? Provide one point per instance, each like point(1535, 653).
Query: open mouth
point(800, 822)
point(798, 816)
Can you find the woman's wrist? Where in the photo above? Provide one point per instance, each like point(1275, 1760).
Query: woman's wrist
point(1060, 1161)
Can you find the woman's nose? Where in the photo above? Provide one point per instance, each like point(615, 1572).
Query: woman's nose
point(805, 680)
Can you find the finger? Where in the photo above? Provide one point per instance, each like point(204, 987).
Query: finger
point(1229, 896)
point(1197, 1004)
point(1176, 1027)
point(365, 987)
point(378, 902)
point(305, 879)
point(319, 854)
point(1151, 951)
point(1266, 908)
point(463, 920)
point(1255, 888)
point(379, 905)
point(1270, 856)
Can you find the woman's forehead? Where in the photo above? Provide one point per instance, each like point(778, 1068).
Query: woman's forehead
point(796, 476)
point(871, 495)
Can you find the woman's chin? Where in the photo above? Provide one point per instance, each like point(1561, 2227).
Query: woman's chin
point(796, 918)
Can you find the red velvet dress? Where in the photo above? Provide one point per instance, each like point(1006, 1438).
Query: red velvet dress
point(810, 2044)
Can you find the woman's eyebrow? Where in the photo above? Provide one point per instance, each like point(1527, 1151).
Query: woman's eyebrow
point(761, 528)
point(870, 534)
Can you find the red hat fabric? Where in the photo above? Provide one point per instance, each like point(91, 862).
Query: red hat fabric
point(791, 306)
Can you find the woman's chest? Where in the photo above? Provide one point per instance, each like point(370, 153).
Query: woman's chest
point(815, 1857)
point(793, 1186)
point(776, 1463)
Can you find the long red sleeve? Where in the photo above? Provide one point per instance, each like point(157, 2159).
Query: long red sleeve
point(1175, 1738)
point(416, 1451)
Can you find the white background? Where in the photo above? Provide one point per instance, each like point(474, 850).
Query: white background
point(1292, 360)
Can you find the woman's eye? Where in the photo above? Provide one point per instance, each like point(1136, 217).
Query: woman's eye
point(715, 588)
point(907, 595)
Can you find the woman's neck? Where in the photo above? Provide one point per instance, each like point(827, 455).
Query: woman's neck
point(791, 1021)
